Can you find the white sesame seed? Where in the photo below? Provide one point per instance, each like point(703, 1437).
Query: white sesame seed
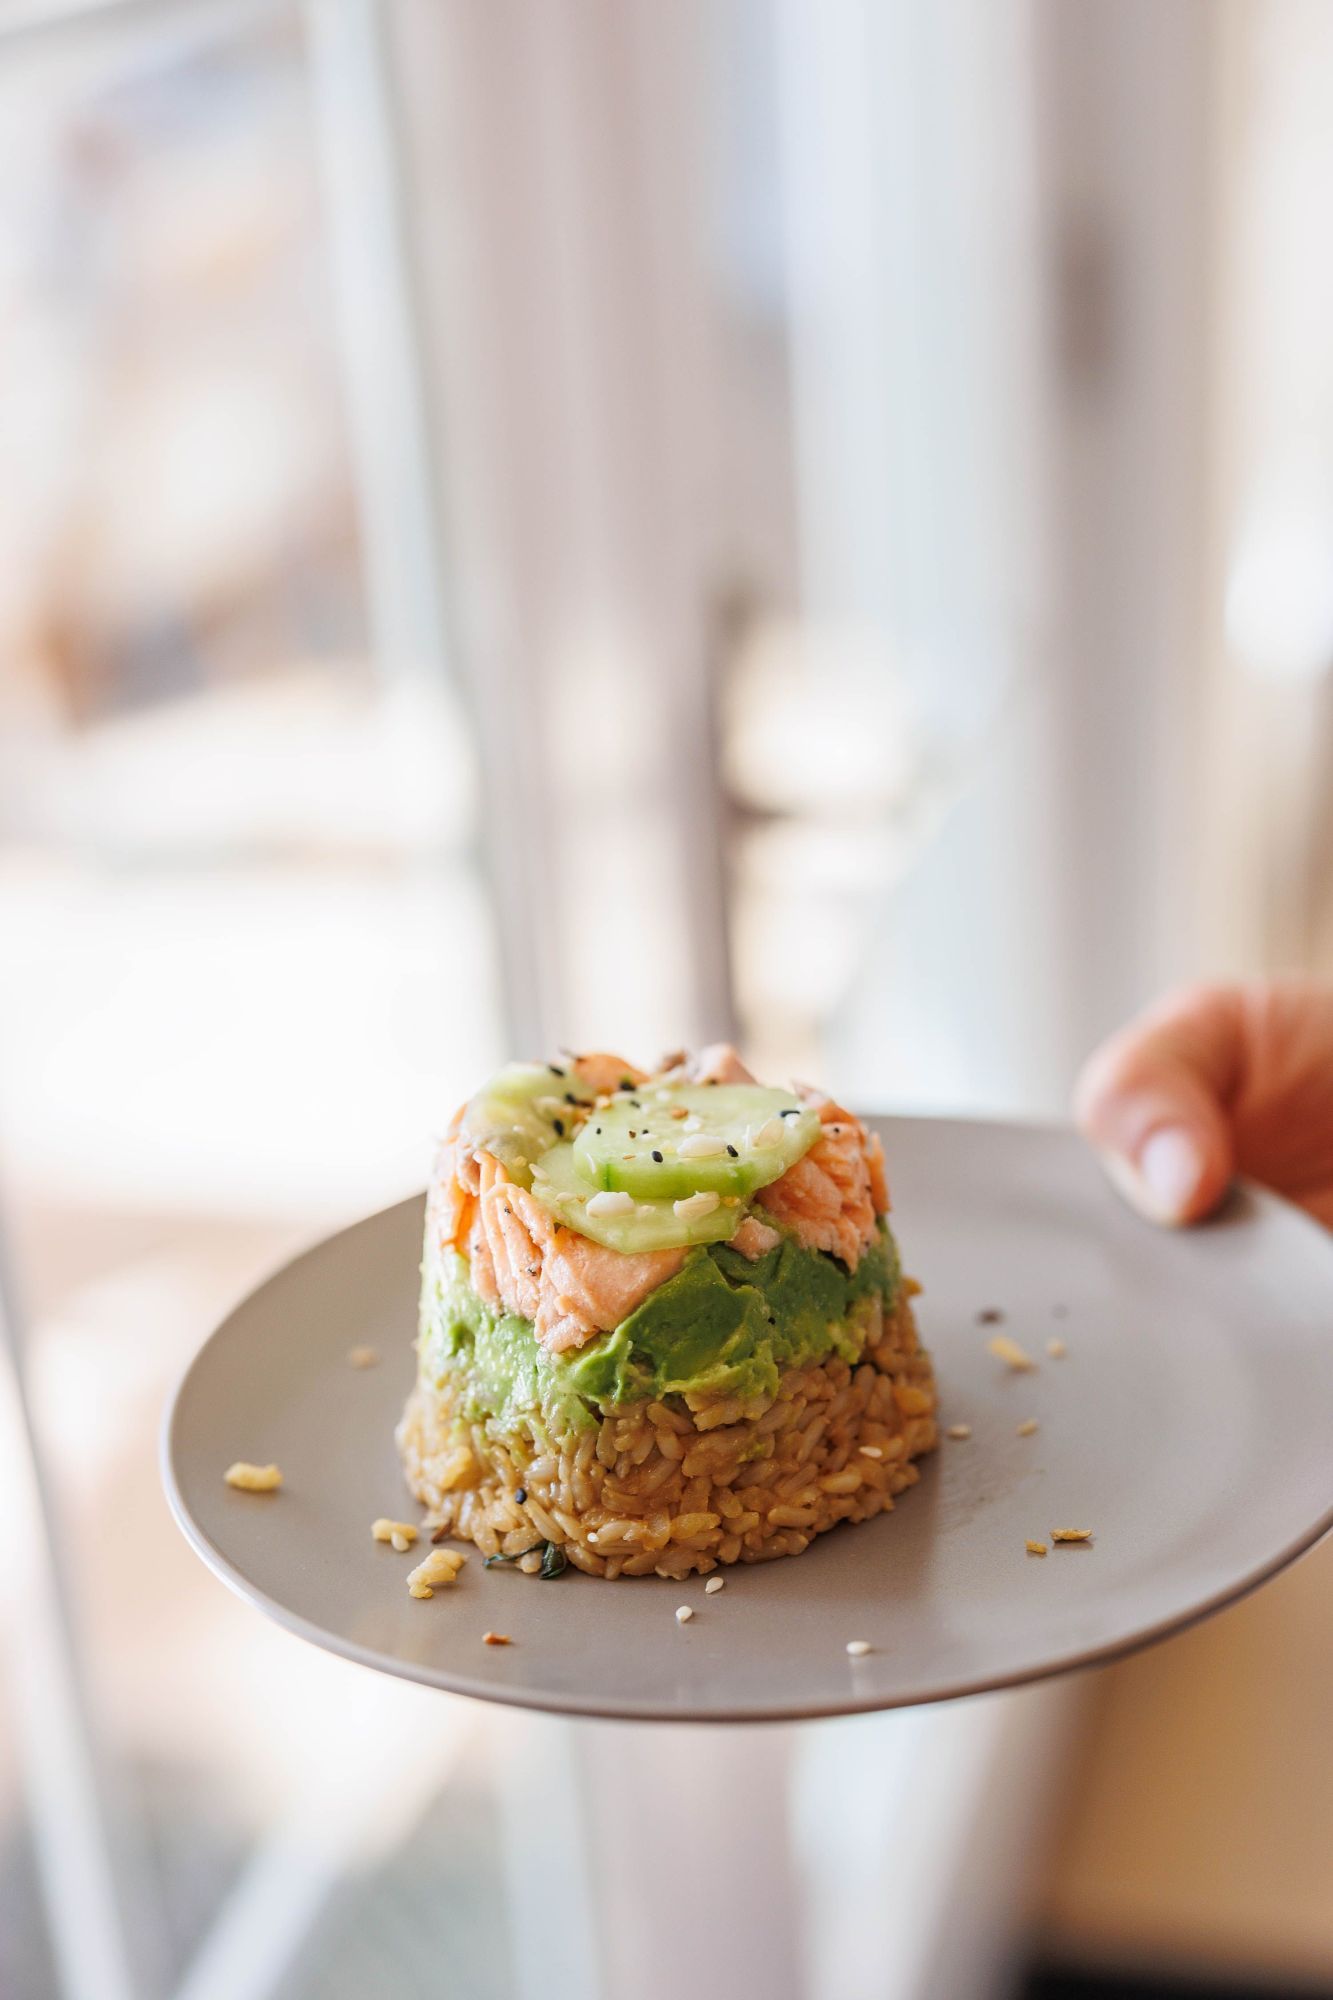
point(713, 1585)
point(870, 1451)
point(694, 1205)
point(684, 1613)
point(960, 1431)
point(770, 1133)
point(611, 1204)
point(858, 1648)
point(701, 1146)
point(662, 1096)
point(694, 1123)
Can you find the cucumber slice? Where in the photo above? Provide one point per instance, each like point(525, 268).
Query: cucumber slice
point(641, 1225)
point(524, 1110)
point(669, 1140)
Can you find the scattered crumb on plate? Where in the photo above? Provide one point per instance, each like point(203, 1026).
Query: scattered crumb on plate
point(496, 1639)
point(990, 1316)
point(362, 1357)
point(1035, 1548)
point(1013, 1356)
point(439, 1567)
point(399, 1535)
point(959, 1431)
point(858, 1648)
point(1027, 1427)
point(1071, 1534)
point(713, 1585)
point(1056, 1348)
point(253, 1478)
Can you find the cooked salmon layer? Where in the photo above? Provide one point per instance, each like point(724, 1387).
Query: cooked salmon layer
point(571, 1288)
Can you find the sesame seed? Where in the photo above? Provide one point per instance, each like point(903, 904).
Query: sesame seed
point(559, 1125)
point(701, 1146)
point(556, 1070)
point(734, 1154)
point(858, 1648)
point(990, 1316)
point(870, 1451)
point(521, 1495)
point(769, 1133)
point(363, 1357)
point(791, 1112)
point(713, 1585)
point(657, 1156)
point(692, 1206)
point(570, 1097)
point(684, 1613)
point(611, 1204)
point(1027, 1427)
point(959, 1431)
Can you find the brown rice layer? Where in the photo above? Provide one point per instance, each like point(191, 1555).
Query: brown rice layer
point(666, 1488)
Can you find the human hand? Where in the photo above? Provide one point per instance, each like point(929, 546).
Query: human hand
point(1213, 1081)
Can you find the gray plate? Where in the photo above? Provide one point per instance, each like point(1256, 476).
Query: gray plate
point(1188, 1426)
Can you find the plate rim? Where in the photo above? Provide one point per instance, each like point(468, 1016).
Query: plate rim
point(593, 1708)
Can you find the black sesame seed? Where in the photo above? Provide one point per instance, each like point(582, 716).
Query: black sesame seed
point(627, 1083)
point(789, 1114)
point(598, 1130)
point(635, 1102)
point(559, 1125)
point(657, 1156)
point(521, 1495)
point(734, 1154)
point(555, 1069)
point(570, 1097)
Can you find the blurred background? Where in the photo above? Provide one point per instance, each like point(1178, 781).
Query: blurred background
point(615, 523)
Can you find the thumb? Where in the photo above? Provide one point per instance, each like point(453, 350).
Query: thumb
point(1153, 1101)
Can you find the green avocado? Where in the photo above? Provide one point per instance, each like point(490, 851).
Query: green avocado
point(722, 1323)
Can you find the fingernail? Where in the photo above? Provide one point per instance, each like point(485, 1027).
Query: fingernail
point(1164, 1179)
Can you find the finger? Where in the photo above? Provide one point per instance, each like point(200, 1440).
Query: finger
point(1153, 1101)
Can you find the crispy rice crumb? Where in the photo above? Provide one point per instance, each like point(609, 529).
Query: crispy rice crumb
point(1027, 1427)
point(858, 1648)
point(399, 1535)
point(1071, 1534)
point(253, 1478)
point(496, 1639)
point(912, 1288)
point(1056, 1348)
point(959, 1431)
point(684, 1613)
point(912, 1401)
point(440, 1566)
point(363, 1357)
point(1035, 1548)
point(713, 1585)
point(1007, 1350)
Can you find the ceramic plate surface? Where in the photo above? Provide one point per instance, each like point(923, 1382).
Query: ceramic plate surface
point(1188, 1426)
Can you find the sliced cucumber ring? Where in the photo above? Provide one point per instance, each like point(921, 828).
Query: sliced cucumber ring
point(665, 1141)
point(617, 1220)
point(524, 1110)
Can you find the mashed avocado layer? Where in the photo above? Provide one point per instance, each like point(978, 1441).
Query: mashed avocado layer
point(722, 1324)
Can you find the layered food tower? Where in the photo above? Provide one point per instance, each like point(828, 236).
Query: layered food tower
point(663, 1324)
